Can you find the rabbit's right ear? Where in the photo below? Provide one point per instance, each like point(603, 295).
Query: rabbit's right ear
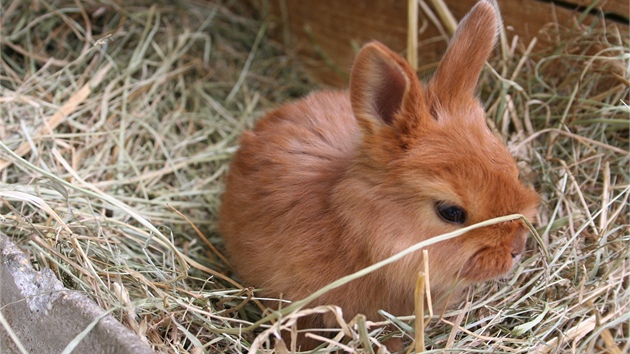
point(456, 78)
point(383, 85)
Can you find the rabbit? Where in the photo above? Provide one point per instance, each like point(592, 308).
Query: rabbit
point(339, 180)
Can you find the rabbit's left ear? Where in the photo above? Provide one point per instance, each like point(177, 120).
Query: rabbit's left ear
point(382, 86)
point(457, 76)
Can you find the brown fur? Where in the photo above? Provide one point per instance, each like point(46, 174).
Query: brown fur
point(330, 184)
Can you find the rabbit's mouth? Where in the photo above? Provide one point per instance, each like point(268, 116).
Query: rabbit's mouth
point(489, 263)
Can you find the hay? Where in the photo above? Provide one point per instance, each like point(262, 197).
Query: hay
point(118, 121)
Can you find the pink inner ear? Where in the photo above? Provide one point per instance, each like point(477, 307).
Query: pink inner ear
point(389, 92)
point(380, 85)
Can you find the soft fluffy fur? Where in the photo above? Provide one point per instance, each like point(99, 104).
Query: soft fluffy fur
point(332, 183)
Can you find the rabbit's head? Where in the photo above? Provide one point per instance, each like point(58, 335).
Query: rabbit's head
point(433, 158)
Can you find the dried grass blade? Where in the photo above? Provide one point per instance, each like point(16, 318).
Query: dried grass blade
point(69, 107)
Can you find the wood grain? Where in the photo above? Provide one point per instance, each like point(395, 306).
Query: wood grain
point(328, 32)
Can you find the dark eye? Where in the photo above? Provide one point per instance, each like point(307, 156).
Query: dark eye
point(451, 213)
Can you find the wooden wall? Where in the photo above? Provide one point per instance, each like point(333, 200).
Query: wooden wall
point(327, 32)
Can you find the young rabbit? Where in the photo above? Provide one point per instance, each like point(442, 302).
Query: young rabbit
point(337, 181)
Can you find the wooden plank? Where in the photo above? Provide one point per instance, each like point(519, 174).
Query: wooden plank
point(617, 7)
point(331, 27)
point(327, 32)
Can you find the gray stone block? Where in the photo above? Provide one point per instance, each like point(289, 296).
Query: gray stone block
point(46, 317)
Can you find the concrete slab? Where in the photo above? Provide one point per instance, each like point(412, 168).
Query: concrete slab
point(46, 317)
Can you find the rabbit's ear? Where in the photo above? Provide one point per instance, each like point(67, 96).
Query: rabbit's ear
point(382, 86)
point(457, 76)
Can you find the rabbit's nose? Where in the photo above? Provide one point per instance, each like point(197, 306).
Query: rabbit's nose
point(519, 238)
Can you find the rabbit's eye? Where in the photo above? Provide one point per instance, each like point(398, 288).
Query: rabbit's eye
point(451, 213)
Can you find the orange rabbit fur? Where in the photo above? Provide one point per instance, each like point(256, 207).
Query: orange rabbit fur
point(337, 181)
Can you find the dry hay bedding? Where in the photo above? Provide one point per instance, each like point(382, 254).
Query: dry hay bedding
point(126, 116)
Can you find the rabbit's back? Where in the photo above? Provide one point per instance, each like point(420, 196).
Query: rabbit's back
point(276, 217)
